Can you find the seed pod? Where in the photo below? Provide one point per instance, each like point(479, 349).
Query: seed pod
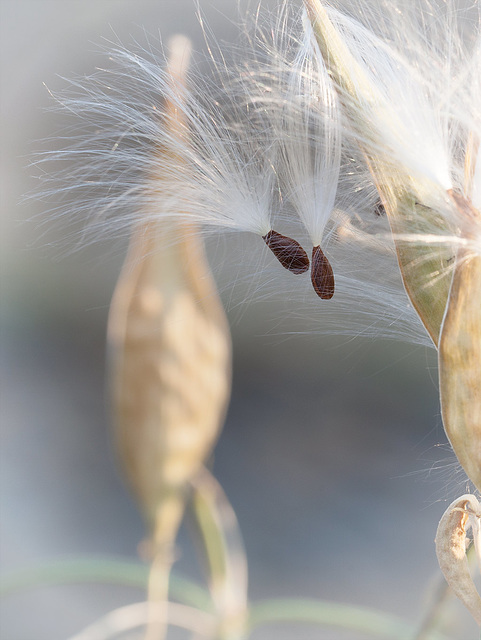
point(460, 365)
point(170, 362)
point(288, 251)
point(370, 118)
point(170, 359)
point(451, 551)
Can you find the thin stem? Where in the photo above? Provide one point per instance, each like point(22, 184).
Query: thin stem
point(432, 617)
point(99, 570)
point(131, 616)
point(339, 616)
point(224, 552)
point(158, 594)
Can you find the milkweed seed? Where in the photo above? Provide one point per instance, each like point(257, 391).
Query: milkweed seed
point(322, 276)
point(288, 251)
point(379, 209)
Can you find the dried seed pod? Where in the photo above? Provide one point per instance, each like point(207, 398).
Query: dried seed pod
point(460, 365)
point(170, 363)
point(170, 359)
point(451, 551)
point(322, 276)
point(460, 339)
point(288, 251)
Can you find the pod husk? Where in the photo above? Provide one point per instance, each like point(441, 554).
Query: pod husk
point(170, 352)
point(362, 107)
point(451, 552)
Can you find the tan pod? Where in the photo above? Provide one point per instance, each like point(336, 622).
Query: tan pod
point(451, 551)
point(460, 365)
point(170, 368)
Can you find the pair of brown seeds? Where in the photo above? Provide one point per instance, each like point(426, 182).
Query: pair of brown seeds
point(293, 257)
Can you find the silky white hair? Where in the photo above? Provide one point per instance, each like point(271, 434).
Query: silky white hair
point(265, 145)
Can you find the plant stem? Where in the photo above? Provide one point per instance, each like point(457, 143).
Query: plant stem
point(339, 616)
point(99, 570)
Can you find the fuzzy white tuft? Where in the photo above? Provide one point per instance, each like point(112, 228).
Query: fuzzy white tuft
point(416, 80)
point(123, 162)
point(309, 134)
point(264, 139)
point(408, 101)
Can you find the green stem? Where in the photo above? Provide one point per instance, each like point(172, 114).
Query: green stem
point(433, 616)
point(334, 615)
point(223, 549)
point(99, 570)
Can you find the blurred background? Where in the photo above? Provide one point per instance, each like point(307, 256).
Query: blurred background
point(333, 453)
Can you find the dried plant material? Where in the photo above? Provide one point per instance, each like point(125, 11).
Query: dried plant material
point(170, 368)
point(288, 251)
point(170, 364)
point(451, 551)
point(225, 554)
point(304, 109)
point(120, 621)
point(405, 139)
point(322, 276)
point(471, 164)
point(475, 520)
point(460, 342)
point(460, 365)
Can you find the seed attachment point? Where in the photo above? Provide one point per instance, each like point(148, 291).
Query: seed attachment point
point(322, 275)
point(288, 251)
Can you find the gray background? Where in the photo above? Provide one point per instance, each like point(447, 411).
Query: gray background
point(333, 453)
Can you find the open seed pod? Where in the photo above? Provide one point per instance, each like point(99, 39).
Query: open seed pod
point(376, 126)
point(464, 512)
point(430, 220)
point(415, 187)
point(460, 341)
point(460, 366)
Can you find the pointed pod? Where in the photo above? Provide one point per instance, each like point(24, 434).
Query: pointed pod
point(170, 353)
point(460, 365)
point(288, 251)
point(322, 275)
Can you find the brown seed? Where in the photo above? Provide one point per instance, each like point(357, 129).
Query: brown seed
point(322, 276)
point(379, 209)
point(288, 251)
